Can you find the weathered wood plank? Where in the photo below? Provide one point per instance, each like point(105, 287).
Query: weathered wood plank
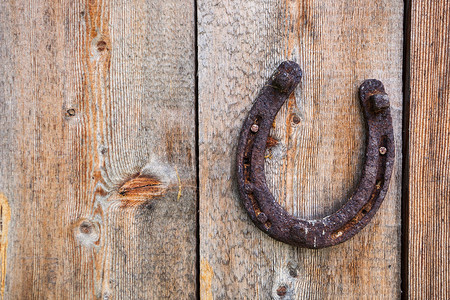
point(97, 149)
point(429, 130)
point(317, 162)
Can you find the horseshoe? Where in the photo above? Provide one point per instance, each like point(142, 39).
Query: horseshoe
point(354, 215)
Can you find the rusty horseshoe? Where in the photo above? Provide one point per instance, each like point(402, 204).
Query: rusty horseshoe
point(343, 224)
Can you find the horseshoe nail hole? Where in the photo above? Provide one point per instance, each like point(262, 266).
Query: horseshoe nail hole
point(364, 211)
point(383, 150)
point(248, 188)
point(378, 184)
point(338, 234)
point(101, 45)
point(70, 112)
point(256, 208)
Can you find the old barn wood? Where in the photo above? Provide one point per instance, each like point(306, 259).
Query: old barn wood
point(120, 123)
point(362, 205)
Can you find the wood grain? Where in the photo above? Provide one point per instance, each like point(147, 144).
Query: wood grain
point(429, 131)
point(97, 149)
point(321, 134)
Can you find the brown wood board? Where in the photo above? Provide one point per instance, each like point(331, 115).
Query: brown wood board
point(321, 138)
point(428, 224)
point(97, 161)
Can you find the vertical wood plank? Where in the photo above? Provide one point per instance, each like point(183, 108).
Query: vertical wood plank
point(429, 131)
point(318, 159)
point(97, 149)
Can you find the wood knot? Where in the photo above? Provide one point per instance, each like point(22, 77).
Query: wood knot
point(87, 232)
point(295, 119)
point(86, 227)
point(70, 112)
point(101, 46)
point(141, 188)
point(281, 291)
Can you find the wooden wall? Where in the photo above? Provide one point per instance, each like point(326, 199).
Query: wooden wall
point(317, 162)
point(427, 253)
point(98, 161)
point(119, 124)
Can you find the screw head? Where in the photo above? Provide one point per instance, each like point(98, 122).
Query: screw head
point(254, 128)
point(383, 150)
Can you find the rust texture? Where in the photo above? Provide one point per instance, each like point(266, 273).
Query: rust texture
point(343, 224)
